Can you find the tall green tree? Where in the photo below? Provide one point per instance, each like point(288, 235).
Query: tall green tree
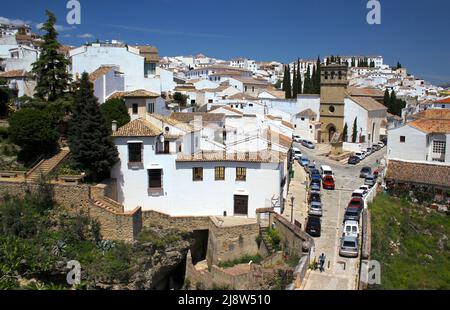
point(51, 67)
point(345, 132)
point(355, 130)
point(317, 77)
point(299, 78)
point(294, 83)
point(386, 98)
point(288, 87)
point(284, 78)
point(92, 149)
point(392, 102)
point(307, 83)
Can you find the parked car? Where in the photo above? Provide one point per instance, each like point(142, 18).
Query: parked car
point(315, 208)
point(314, 174)
point(308, 144)
point(304, 162)
point(352, 214)
point(356, 202)
point(351, 229)
point(328, 182)
point(358, 193)
point(349, 247)
point(381, 144)
point(365, 171)
point(297, 153)
point(354, 160)
point(369, 151)
point(370, 180)
point(310, 167)
point(313, 226)
point(365, 188)
point(297, 138)
point(326, 171)
point(314, 196)
point(376, 147)
point(315, 185)
point(360, 155)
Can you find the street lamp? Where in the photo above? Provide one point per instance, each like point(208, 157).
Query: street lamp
point(292, 209)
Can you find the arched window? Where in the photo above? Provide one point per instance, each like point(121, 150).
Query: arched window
point(340, 75)
point(332, 75)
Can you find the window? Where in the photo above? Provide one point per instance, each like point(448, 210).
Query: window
point(402, 139)
point(155, 178)
point(331, 109)
point(151, 107)
point(197, 174)
point(219, 173)
point(241, 174)
point(135, 152)
point(439, 147)
point(163, 148)
point(210, 101)
point(135, 108)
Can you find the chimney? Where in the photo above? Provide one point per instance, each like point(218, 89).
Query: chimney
point(114, 126)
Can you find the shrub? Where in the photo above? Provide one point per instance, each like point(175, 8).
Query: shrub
point(275, 238)
point(256, 259)
point(115, 109)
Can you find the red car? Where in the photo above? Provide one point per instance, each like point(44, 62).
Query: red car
point(356, 202)
point(328, 182)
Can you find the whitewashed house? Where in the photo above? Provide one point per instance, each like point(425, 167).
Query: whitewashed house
point(107, 80)
point(21, 58)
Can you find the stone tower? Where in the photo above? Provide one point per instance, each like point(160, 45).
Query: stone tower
point(333, 87)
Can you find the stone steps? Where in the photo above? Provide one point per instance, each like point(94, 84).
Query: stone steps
point(47, 165)
point(266, 239)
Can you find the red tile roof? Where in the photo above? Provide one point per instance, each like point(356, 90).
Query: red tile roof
point(419, 173)
point(138, 128)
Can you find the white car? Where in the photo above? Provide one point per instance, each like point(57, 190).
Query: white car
point(360, 155)
point(351, 229)
point(297, 139)
point(297, 153)
point(359, 193)
point(365, 188)
point(381, 144)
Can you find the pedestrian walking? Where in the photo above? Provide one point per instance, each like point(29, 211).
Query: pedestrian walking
point(322, 259)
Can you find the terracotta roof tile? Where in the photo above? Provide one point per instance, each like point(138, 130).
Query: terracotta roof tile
point(206, 117)
point(445, 100)
point(141, 93)
point(138, 128)
point(15, 73)
point(419, 173)
point(228, 108)
point(368, 103)
point(277, 138)
point(99, 72)
point(432, 125)
point(364, 92)
point(307, 112)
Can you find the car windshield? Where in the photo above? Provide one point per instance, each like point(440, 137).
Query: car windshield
point(352, 212)
point(349, 244)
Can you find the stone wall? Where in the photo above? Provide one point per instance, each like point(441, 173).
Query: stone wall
point(293, 239)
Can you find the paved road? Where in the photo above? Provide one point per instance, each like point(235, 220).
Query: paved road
point(340, 273)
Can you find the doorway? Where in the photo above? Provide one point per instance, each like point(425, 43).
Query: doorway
point(240, 205)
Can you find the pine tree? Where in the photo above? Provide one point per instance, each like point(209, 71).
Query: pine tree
point(345, 132)
point(51, 67)
point(355, 130)
point(386, 98)
point(89, 134)
point(317, 78)
point(299, 79)
point(288, 89)
point(313, 81)
point(294, 84)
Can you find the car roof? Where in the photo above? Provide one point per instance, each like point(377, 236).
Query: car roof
point(364, 186)
point(295, 149)
point(316, 203)
point(358, 191)
point(366, 168)
point(326, 167)
point(351, 222)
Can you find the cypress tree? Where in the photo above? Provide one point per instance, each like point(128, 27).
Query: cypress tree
point(386, 98)
point(284, 78)
point(307, 84)
point(317, 78)
point(399, 66)
point(51, 67)
point(392, 103)
point(299, 79)
point(313, 81)
point(92, 149)
point(294, 84)
point(288, 87)
point(355, 130)
point(345, 132)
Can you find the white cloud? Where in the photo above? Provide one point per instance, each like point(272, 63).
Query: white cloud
point(15, 22)
point(59, 28)
point(80, 36)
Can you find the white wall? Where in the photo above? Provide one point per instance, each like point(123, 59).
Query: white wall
point(414, 148)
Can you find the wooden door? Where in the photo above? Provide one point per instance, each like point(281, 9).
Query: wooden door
point(240, 205)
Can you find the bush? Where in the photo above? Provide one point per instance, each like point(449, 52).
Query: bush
point(275, 238)
point(33, 131)
point(256, 259)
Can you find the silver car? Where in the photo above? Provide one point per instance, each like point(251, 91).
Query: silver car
point(349, 247)
point(370, 181)
point(315, 208)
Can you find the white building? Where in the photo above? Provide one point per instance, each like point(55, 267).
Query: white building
point(164, 170)
point(426, 139)
point(107, 80)
point(20, 81)
point(21, 58)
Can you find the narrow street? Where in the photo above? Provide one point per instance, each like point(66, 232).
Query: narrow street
point(340, 273)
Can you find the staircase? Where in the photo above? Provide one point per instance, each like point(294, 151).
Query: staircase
point(266, 239)
point(103, 205)
point(108, 204)
point(46, 166)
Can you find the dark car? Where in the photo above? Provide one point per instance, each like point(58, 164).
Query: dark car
point(314, 196)
point(356, 202)
point(376, 147)
point(313, 226)
point(365, 171)
point(354, 160)
point(315, 175)
point(310, 167)
point(352, 214)
point(315, 185)
point(328, 182)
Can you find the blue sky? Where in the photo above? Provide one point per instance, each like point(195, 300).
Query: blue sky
point(414, 32)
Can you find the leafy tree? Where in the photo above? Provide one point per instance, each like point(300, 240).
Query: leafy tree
point(34, 131)
point(180, 98)
point(6, 94)
point(90, 143)
point(115, 109)
point(345, 132)
point(355, 130)
point(51, 67)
